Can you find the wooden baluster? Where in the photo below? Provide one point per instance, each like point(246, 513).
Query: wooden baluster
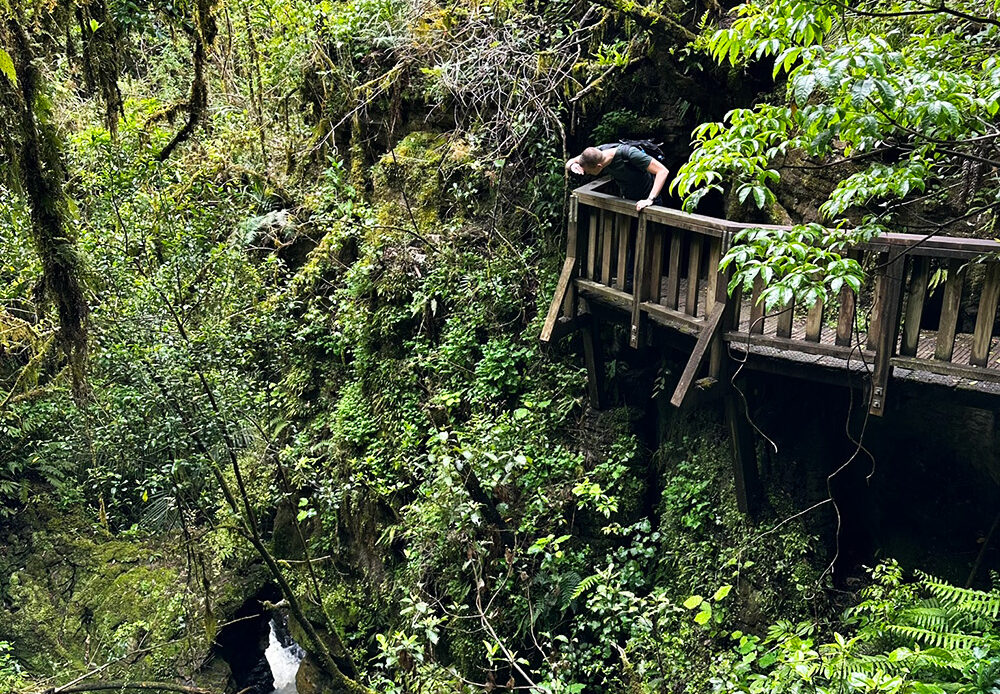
point(592, 228)
point(572, 248)
point(736, 300)
point(640, 281)
point(916, 293)
point(608, 220)
point(694, 267)
point(656, 265)
point(890, 290)
point(785, 318)
point(674, 268)
point(624, 225)
point(757, 307)
point(565, 297)
point(952, 299)
point(875, 317)
point(814, 322)
point(987, 315)
point(712, 289)
point(845, 318)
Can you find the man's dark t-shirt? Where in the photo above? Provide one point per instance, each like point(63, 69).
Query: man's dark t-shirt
point(629, 169)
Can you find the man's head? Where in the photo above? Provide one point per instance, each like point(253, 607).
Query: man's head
point(592, 160)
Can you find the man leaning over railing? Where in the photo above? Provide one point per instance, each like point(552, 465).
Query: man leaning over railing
point(639, 176)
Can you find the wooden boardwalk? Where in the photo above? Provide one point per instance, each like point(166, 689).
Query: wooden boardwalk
point(660, 269)
point(642, 265)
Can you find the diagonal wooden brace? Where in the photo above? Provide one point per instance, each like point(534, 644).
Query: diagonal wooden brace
point(565, 277)
point(708, 333)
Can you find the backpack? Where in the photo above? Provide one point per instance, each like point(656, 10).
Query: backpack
point(653, 149)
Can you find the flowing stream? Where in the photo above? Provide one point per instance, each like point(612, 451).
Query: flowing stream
point(283, 659)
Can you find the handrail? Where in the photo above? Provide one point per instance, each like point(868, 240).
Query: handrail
point(912, 244)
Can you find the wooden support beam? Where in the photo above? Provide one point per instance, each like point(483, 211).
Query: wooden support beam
point(594, 360)
point(916, 292)
point(572, 252)
point(983, 334)
point(950, 303)
point(890, 284)
point(670, 318)
point(694, 268)
point(740, 340)
point(607, 295)
point(708, 334)
point(746, 477)
point(718, 295)
point(875, 317)
point(564, 326)
point(639, 282)
point(562, 288)
point(955, 370)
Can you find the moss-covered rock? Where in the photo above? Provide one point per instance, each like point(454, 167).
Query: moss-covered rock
point(432, 177)
point(73, 599)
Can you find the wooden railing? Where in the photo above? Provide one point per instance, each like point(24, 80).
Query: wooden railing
point(662, 265)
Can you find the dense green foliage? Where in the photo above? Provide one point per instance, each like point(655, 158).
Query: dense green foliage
point(316, 242)
point(901, 98)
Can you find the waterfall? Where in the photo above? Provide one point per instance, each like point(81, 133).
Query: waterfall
point(284, 656)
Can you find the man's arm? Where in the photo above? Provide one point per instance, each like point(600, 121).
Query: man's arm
point(573, 166)
point(660, 173)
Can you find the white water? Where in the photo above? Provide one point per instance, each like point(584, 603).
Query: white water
point(284, 663)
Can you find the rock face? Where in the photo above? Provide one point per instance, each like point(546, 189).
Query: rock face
point(70, 599)
point(311, 679)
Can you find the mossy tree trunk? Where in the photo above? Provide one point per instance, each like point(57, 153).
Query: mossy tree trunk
point(33, 144)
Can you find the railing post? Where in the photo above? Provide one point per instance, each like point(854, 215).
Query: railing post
point(845, 317)
point(640, 283)
point(719, 294)
point(572, 251)
point(951, 301)
point(889, 291)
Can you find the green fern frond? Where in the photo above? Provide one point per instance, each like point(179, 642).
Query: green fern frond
point(929, 618)
point(925, 637)
point(869, 665)
point(569, 584)
point(585, 585)
point(976, 602)
point(940, 661)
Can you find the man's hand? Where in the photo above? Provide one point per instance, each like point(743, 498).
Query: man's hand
point(576, 168)
point(643, 204)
